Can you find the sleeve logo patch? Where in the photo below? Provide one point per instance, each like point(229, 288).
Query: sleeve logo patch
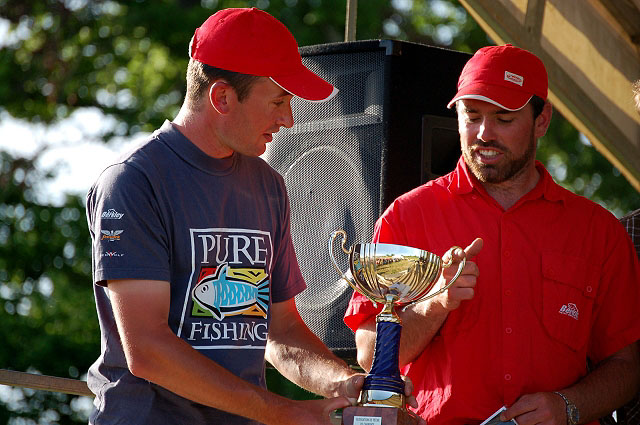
point(111, 235)
point(111, 214)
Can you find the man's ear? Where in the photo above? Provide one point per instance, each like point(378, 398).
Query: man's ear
point(221, 95)
point(543, 120)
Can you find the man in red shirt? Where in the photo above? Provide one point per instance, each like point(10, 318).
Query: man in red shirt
point(556, 276)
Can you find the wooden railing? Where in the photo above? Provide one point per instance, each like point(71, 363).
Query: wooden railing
point(63, 385)
point(44, 382)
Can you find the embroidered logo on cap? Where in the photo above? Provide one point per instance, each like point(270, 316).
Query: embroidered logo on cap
point(514, 78)
point(570, 309)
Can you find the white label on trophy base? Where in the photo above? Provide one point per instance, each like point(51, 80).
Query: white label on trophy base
point(367, 420)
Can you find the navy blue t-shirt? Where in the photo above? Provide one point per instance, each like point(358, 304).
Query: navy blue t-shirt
point(218, 231)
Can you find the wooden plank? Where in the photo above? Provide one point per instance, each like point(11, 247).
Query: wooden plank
point(44, 382)
point(351, 20)
point(627, 15)
point(533, 18)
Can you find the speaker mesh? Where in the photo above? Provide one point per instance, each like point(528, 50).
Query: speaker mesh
point(387, 131)
point(330, 161)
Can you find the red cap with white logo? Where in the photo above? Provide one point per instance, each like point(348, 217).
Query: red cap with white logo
point(505, 76)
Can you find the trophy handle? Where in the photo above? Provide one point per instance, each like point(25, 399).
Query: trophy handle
point(444, 266)
point(334, 235)
point(347, 276)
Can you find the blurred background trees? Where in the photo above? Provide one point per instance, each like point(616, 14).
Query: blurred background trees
point(125, 62)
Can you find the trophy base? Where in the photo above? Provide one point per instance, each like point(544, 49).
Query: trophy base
point(359, 415)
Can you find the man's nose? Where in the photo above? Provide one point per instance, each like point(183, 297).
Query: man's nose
point(285, 119)
point(486, 130)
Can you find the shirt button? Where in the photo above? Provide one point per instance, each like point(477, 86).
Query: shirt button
point(507, 377)
point(507, 253)
point(508, 330)
point(507, 292)
point(589, 289)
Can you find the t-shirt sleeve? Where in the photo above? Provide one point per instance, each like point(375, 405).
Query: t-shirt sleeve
point(286, 274)
point(129, 240)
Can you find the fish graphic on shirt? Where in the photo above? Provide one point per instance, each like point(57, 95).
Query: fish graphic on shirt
point(225, 296)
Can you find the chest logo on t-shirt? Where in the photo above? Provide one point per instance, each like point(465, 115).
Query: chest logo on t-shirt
point(223, 291)
point(224, 304)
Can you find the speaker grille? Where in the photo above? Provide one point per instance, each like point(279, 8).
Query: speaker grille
point(345, 160)
point(333, 181)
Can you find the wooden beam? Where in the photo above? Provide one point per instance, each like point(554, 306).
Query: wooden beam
point(627, 15)
point(44, 382)
point(351, 20)
point(533, 19)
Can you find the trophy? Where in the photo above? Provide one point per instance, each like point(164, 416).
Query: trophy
point(394, 275)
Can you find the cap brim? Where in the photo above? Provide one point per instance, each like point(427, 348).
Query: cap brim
point(505, 98)
point(306, 85)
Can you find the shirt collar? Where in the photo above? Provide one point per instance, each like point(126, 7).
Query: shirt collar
point(190, 153)
point(464, 182)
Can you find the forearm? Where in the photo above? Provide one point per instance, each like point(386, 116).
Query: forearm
point(153, 352)
point(420, 323)
point(172, 364)
point(611, 384)
point(304, 360)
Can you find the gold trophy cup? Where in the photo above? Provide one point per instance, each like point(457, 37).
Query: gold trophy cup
point(395, 276)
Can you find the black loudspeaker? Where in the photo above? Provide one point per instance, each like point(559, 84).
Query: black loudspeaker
point(344, 161)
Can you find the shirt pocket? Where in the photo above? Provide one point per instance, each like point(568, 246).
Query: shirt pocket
point(569, 288)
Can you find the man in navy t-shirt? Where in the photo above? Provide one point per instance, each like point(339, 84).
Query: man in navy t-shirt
point(193, 264)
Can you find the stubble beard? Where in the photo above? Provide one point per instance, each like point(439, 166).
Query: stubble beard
point(500, 173)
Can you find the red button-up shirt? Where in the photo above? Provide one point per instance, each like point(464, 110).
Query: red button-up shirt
point(558, 283)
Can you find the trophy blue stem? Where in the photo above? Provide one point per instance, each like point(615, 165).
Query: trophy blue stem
point(385, 372)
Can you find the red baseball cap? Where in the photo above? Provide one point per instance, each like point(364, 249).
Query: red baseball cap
point(506, 76)
point(251, 41)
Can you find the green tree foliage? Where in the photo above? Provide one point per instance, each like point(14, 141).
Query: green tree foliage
point(577, 166)
point(128, 59)
point(46, 309)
